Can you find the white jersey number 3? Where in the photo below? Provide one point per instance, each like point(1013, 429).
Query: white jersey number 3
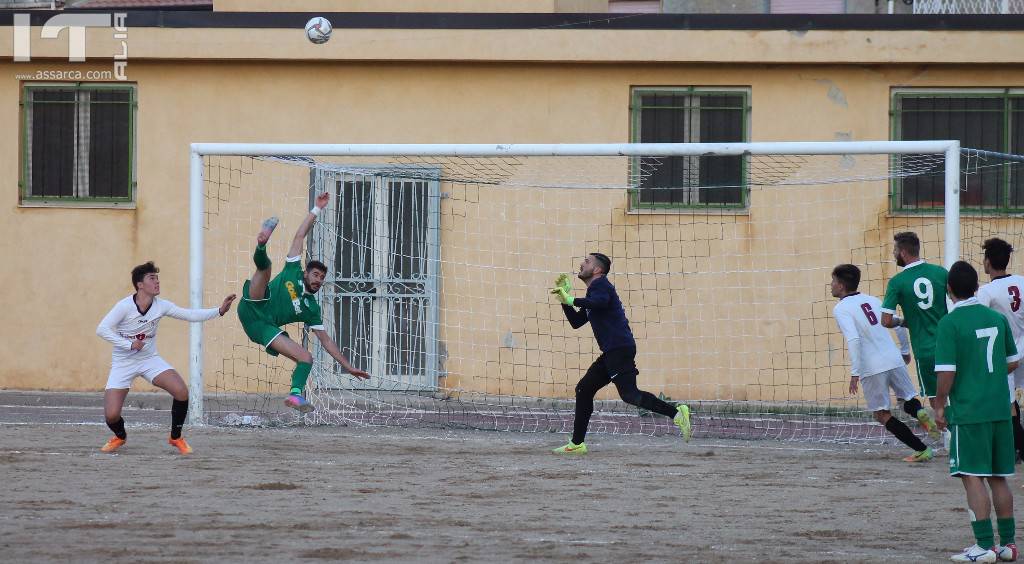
point(989, 333)
point(923, 289)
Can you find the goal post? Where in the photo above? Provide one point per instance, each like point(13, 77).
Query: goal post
point(353, 166)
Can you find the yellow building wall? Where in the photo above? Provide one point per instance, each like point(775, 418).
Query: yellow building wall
point(66, 267)
point(869, 48)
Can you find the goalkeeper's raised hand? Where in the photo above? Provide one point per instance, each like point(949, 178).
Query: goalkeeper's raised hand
point(563, 281)
point(563, 295)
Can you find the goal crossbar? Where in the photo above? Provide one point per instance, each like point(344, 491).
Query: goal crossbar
point(577, 149)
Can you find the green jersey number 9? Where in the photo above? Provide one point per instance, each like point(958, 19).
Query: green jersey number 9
point(923, 289)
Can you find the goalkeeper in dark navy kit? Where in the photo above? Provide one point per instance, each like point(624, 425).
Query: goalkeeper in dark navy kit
point(617, 363)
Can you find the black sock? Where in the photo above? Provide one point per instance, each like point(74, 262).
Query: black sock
point(584, 409)
point(904, 434)
point(118, 428)
point(1018, 435)
point(912, 406)
point(179, 409)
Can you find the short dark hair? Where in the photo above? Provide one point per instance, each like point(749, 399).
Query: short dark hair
point(316, 265)
point(140, 272)
point(962, 280)
point(848, 275)
point(606, 263)
point(997, 252)
point(908, 241)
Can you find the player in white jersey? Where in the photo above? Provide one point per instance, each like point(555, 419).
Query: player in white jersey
point(131, 327)
point(876, 364)
point(1004, 294)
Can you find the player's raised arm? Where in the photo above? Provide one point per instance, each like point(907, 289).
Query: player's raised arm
point(204, 314)
point(300, 234)
point(577, 317)
point(563, 291)
point(597, 297)
point(332, 349)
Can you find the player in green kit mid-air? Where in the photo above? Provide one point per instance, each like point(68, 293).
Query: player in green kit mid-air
point(289, 298)
point(974, 354)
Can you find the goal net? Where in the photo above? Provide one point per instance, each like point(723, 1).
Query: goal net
point(441, 259)
point(969, 7)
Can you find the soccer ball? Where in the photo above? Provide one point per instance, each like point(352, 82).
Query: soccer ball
point(318, 30)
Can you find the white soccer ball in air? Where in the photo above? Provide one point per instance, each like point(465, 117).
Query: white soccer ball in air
point(318, 30)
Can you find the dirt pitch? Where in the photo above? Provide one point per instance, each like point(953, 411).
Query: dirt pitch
point(427, 495)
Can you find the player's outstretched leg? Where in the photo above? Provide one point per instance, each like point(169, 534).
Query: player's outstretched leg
point(257, 287)
point(626, 385)
point(171, 381)
point(303, 365)
point(588, 386)
point(913, 408)
point(682, 420)
point(113, 401)
point(266, 230)
point(922, 452)
point(295, 399)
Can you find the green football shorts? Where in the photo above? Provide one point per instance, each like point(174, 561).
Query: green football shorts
point(981, 449)
point(256, 320)
point(926, 379)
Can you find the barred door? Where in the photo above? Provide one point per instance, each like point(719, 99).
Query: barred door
point(380, 240)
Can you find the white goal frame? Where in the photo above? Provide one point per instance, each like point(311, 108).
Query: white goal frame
point(949, 149)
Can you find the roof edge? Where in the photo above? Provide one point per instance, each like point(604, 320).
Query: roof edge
point(189, 17)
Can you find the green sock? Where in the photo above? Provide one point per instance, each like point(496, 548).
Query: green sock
point(302, 373)
point(983, 533)
point(260, 258)
point(1007, 530)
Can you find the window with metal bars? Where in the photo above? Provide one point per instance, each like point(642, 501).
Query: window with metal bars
point(980, 119)
point(78, 143)
point(690, 115)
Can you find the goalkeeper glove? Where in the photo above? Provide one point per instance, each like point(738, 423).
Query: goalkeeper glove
point(563, 281)
point(563, 295)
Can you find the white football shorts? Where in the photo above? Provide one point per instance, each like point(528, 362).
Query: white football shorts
point(121, 375)
point(876, 388)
